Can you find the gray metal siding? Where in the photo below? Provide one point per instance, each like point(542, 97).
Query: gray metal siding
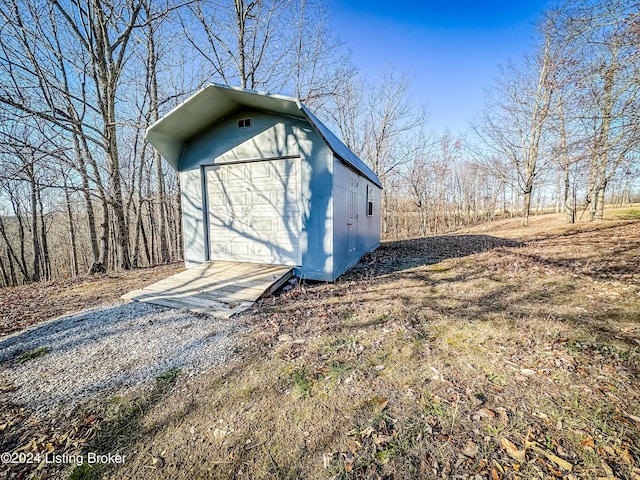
point(317, 216)
point(193, 219)
point(269, 137)
point(368, 227)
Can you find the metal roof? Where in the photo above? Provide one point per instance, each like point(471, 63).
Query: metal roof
point(214, 102)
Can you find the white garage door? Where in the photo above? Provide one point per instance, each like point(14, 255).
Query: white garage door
point(254, 212)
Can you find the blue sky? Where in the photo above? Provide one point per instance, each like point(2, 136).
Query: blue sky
point(451, 49)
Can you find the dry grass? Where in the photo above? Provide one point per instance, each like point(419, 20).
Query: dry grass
point(498, 352)
point(422, 361)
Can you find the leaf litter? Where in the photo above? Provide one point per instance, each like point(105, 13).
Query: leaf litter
point(506, 353)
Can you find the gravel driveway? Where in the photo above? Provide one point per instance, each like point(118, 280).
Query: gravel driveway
point(110, 350)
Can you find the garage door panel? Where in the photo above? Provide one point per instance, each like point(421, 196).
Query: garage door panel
point(254, 212)
point(231, 248)
point(264, 209)
point(261, 170)
point(218, 201)
point(235, 174)
point(264, 225)
point(264, 198)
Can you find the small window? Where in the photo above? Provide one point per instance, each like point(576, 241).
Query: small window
point(369, 201)
point(244, 123)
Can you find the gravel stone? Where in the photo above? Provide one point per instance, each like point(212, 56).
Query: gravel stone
point(110, 350)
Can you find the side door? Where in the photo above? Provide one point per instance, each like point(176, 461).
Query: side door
point(353, 219)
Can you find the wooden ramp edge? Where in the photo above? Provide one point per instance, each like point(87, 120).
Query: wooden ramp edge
point(219, 289)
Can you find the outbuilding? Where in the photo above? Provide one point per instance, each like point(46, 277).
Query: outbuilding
point(263, 180)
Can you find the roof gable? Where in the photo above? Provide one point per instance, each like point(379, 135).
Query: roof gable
point(215, 102)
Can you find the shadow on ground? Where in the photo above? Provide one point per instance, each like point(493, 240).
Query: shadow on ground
point(401, 255)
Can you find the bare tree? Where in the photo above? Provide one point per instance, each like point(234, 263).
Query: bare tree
point(275, 45)
point(605, 37)
point(104, 30)
point(515, 122)
point(39, 54)
point(378, 120)
point(243, 39)
point(153, 116)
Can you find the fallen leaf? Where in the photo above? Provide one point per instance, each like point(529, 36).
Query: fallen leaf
point(559, 461)
point(157, 462)
point(485, 413)
point(470, 449)
point(512, 450)
point(504, 416)
point(527, 371)
point(219, 433)
point(588, 442)
point(554, 471)
point(378, 404)
point(348, 461)
point(380, 439)
point(625, 456)
point(633, 418)
point(326, 459)
point(563, 464)
point(607, 469)
point(367, 432)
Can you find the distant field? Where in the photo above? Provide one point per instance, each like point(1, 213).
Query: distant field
point(495, 352)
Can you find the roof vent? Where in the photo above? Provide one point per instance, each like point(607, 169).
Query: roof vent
point(244, 123)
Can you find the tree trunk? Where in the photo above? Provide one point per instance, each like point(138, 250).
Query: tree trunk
point(88, 200)
point(526, 206)
point(566, 192)
point(5, 276)
point(153, 107)
point(599, 211)
point(152, 233)
point(12, 270)
point(136, 241)
point(113, 167)
point(35, 241)
point(46, 258)
point(145, 242)
point(101, 265)
point(72, 232)
point(11, 254)
point(178, 220)
point(241, 19)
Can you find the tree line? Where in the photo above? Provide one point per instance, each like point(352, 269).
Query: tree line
point(81, 190)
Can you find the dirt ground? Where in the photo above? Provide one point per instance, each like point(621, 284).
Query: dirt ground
point(495, 352)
